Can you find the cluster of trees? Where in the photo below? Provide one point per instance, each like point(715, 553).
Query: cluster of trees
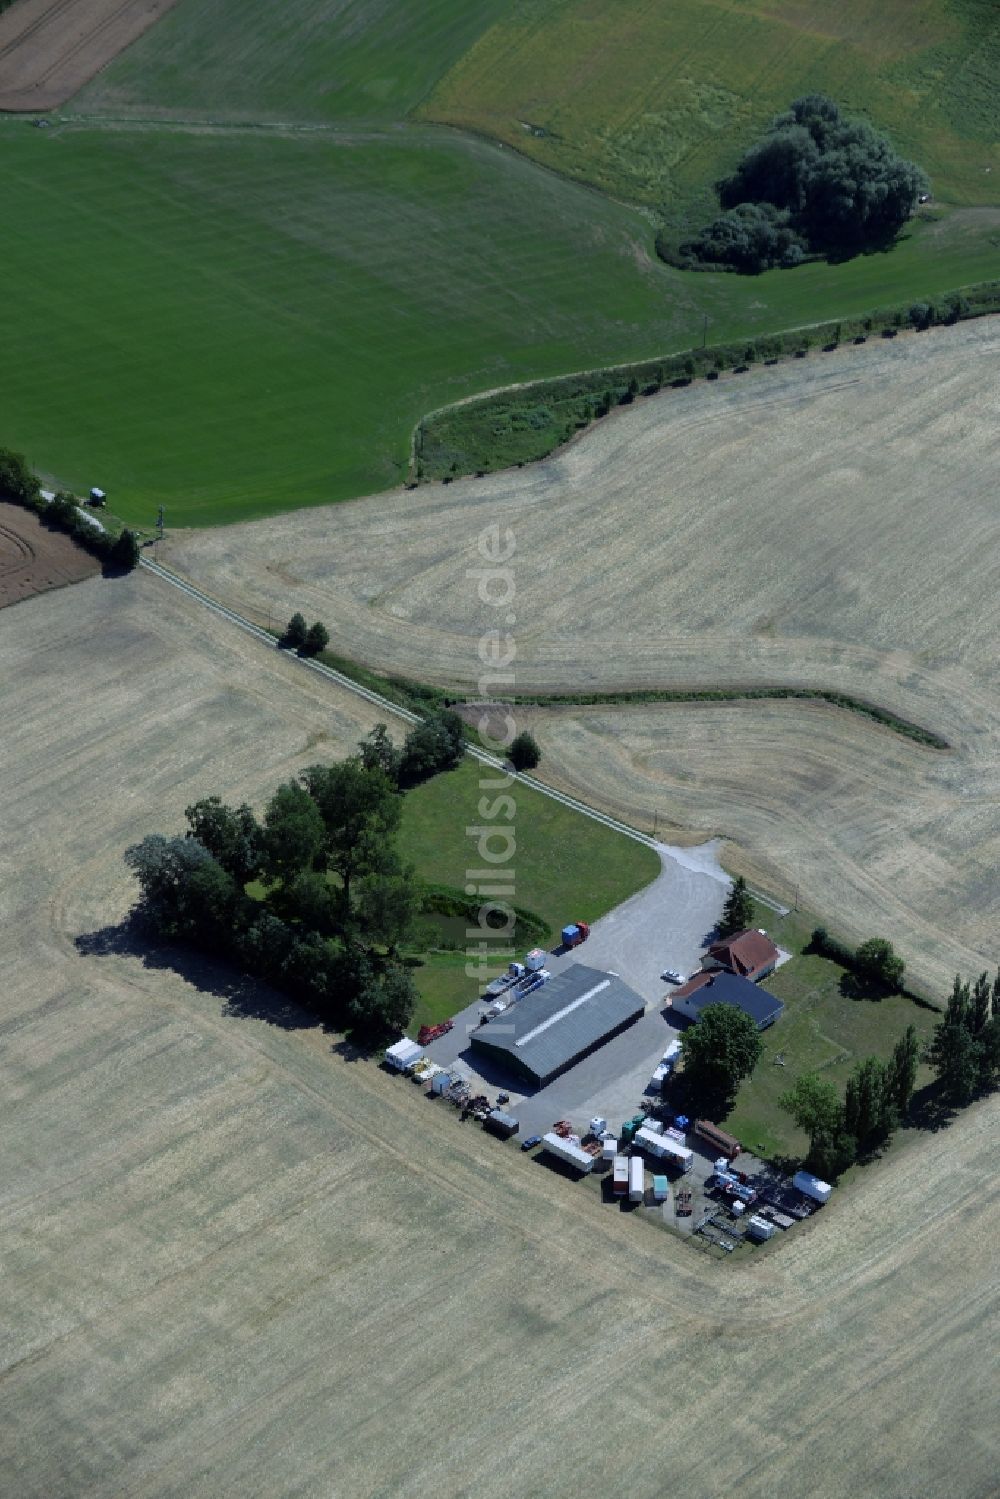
point(875, 961)
point(20, 486)
point(524, 753)
point(312, 897)
point(719, 1053)
point(737, 913)
point(816, 184)
point(876, 1098)
point(308, 640)
point(965, 1048)
point(964, 1053)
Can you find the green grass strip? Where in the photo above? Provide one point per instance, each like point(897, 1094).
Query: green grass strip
point(523, 424)
point(845, 700)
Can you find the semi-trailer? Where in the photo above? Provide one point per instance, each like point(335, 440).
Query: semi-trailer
point(811, 1186)
point(636, 1178)
point(565, 1150)
point(666, 1150)
point(619, 1179)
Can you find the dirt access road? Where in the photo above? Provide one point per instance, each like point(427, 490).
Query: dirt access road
point(50, 48)
point(237, 1263)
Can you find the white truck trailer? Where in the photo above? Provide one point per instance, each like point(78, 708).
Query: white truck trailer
point(403, 1054)
point(636, 1178)
point(565, 1150)
point(811, 1186)
point(664, 1149)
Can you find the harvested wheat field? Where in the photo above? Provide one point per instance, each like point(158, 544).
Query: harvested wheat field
point(34, 559)
point(237, 1262)
point(830, 522)
point(50, 48)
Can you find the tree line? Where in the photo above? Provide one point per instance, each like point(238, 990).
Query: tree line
point(20, 486)
point(964, 1053)
point(312, 897)
point(817, 184)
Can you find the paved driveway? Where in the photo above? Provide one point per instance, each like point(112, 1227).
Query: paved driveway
point(667, 925)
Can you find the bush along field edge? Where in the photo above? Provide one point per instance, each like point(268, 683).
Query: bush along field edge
point(521, 424)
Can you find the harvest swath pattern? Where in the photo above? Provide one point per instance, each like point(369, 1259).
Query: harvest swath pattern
point(206, 1212)
point(815, 525)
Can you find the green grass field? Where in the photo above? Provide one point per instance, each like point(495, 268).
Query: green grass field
point(250, 313)
point(567, 867)
point(652, 101)
point(821, 1030)
point(232, 325)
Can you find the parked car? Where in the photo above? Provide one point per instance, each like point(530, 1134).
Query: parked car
point(672, 976)
point(531, 1142)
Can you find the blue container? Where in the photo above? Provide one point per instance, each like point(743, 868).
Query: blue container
point(570, 935)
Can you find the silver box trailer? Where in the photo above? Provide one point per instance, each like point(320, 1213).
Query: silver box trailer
point(636, 1178)
point(564, 1150)
point(811, 1186)
point(759, 1228)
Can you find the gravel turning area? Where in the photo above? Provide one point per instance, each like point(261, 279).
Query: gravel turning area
point(238, 1262)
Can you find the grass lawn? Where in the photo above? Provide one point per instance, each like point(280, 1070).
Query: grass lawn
point(821, 1030)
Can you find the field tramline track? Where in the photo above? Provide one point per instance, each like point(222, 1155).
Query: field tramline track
point(482, 756)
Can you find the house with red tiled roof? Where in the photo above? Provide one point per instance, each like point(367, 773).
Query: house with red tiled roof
point(750, 955)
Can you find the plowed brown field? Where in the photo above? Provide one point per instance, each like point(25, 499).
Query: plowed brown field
point(50, 48)
point(829, 523)
point(34, 559)
point(238, 1264)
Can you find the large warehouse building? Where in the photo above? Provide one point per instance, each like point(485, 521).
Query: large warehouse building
point(551, 1030)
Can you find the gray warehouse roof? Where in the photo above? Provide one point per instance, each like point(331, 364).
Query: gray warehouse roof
point(547, 1031)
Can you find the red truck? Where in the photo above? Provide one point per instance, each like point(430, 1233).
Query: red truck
point(428, 1033)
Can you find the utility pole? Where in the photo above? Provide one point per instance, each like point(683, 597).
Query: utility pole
point(704, 332)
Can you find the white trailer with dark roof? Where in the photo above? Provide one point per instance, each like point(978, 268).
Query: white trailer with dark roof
point(565, 1150)
point(664, 1149)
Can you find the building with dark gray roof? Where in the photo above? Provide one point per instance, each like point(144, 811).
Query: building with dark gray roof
point(551, 1030)
point(693, 998)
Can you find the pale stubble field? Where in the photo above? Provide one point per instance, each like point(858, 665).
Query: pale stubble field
point(237, 1263)
point(830, 522)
